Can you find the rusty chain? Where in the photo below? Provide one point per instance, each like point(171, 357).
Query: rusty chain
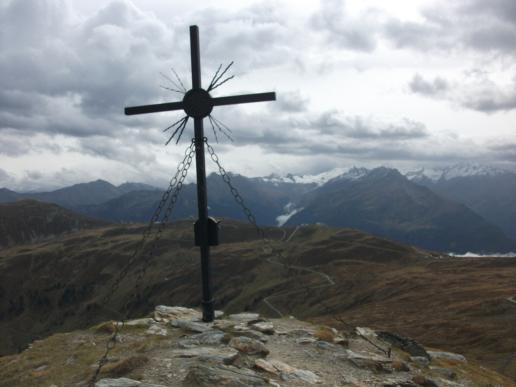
point(240, 201)
point(170, 195)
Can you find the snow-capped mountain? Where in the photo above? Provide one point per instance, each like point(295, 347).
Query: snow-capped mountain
point(319, 179)
point(384, 202)
point(454, 171)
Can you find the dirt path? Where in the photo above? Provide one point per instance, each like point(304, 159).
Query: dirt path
point(329, 281)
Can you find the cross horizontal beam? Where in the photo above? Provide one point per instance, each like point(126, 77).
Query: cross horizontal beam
point(159, 107)
point(245, 98)
point(218, 101)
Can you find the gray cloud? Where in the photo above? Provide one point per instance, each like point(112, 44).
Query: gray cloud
point(326, 133)
point(504, 152)
point(290, 102)
point(430, 88)
point(486, 26)
point(6, 180)
point(366, 128)
point(73, 77)
point(476, 92)
point(68, 76)
point(344, 31)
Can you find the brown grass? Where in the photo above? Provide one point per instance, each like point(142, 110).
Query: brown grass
point(124, 366)
point(451, 304)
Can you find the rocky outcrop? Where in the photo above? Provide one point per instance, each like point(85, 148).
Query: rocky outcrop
point(175, 348)
point(248, 350)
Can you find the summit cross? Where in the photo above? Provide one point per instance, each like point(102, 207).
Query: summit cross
point(198, 104)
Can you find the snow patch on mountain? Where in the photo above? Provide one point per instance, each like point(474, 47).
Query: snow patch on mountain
point(290, 211)
point(319, 179)
point(454, 171)
point(475, 255)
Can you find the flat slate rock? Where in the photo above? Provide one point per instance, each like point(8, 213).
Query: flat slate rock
point(447, 356)
point(287, 372)
point(214, 376)
point(212, 337)
point(406, 344)
point(249, 346)
point(140, 322)
point(244, 317)
point(191, 326)
point(124, 382)
point(169, 313)
point(264, 327)
point(218, 355)
point(240, 330)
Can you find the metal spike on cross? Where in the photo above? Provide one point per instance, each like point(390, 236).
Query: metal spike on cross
point(198, 104)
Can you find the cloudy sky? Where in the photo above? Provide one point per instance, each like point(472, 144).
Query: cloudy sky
point(366, 83)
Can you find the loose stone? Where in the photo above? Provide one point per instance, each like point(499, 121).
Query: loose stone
point(249, 346)
point(213, 337)
point(169, 313)
point(156, 330)
point(140, 322)
point(217, 355)
point(204, 376)
point(124, 382)
point(191, 326)
point(447, 356)
point(264, 327)
point(244, 317)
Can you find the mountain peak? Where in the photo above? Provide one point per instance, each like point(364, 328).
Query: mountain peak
point(454, 171)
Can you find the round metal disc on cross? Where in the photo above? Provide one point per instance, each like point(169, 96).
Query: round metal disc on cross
point(197, 103)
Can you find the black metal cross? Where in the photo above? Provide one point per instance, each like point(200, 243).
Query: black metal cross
point(198, 104)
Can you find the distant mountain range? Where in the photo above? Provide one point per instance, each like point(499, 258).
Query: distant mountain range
point(95, 192)
point(384, 202)
point(456, 209)
point(488, 191)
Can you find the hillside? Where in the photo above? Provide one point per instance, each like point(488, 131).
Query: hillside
point(172, 347)
point(386, 203)
point(30, 221)
point(375, 282)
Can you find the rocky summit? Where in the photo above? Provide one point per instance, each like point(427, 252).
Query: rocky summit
point(173, 347)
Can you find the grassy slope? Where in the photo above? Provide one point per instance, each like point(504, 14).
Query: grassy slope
point(455, 304)
point(27, 221)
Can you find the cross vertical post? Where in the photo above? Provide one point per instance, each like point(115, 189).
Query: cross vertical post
point(197, 103)
point(202, 195)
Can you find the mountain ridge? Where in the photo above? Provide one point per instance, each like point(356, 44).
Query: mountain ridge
point(384, 202)
point(30, 221)
point(275, 199)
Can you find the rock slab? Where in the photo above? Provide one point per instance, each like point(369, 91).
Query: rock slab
point(204, 376)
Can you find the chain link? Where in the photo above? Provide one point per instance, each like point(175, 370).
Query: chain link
point(236, 195)
point(170, 195)
point(240, 201)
